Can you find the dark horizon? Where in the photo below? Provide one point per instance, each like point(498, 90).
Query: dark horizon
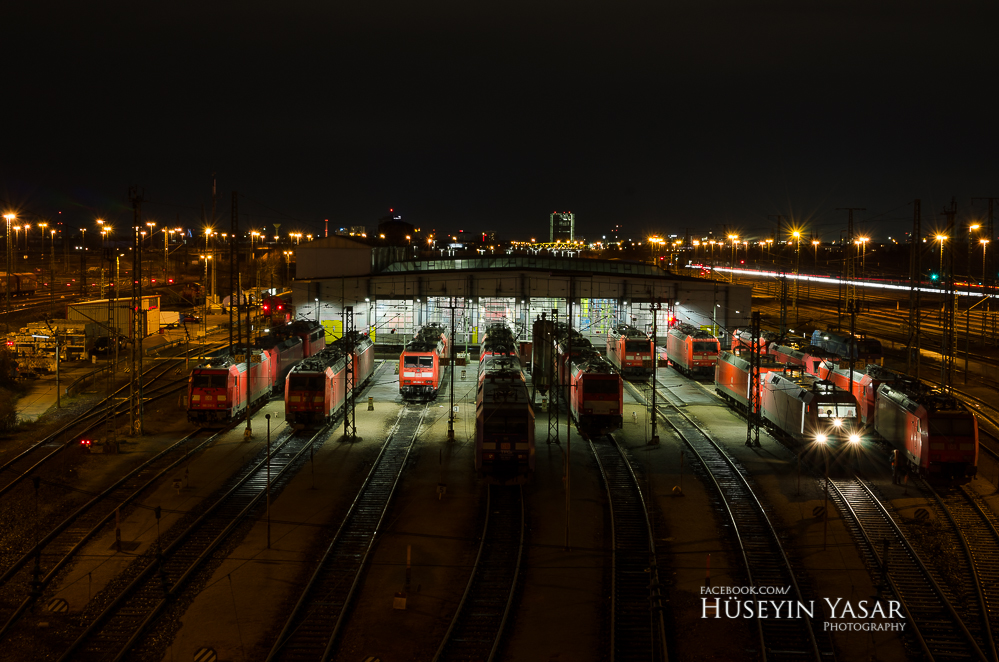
point(658, 118)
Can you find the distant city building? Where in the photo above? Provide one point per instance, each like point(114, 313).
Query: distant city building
point(562, 226)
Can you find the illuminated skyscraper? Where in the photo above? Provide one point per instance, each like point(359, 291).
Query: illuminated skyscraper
point(562, 226)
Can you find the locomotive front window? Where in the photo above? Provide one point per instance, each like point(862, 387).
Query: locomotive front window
point(955, 427)
point(594, 386)
point(498, 424)
point(208, 381)
point(637, 346)
point(836, 410)
point(309, 383)
point(700, 346)
point(410, 361)
point(426, 362)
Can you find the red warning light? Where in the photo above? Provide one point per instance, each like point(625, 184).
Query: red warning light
point(171, 280)
point(85, 443)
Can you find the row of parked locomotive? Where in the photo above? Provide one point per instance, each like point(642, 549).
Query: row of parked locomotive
point(504, 413)
point(224, 388)
point(806, 396)
point(317, 387)
point(580, 375)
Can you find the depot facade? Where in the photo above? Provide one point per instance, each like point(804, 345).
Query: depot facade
point(392, 296)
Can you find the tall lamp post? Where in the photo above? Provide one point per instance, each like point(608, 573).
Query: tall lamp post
point(287, 266)
point(971, 239)
point(43, 226)
point(941, 238)
point(10, 261)
point(734, 238)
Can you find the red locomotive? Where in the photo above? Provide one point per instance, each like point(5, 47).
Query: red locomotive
point(498, 341)
point(277, 308)
point(629, 350)
point(217, 389)
point(743, 338)
point(284, 353)
point(591, 386)
point(222, 390)
point(936, 434)
point(316, 387)
point(595, 394)
point(808, 359)
point(864, 384)
point(420, 364)
point(732, 377)
point(504, 423)
point(692, 351)
point(313, 336)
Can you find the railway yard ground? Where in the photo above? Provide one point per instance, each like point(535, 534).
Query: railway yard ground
point(427, 540)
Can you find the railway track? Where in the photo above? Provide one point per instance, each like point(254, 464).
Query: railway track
point(183, 551)
point(316, 620)
point(478, 623)
point(67, 538)
point(928, 606)
point(764, 560)
point(637, 629)
point(27, 462)
point(972, 533)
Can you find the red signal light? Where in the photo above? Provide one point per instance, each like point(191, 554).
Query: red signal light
point(85, 443)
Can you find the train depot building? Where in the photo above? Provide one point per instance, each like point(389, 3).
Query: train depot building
point(392, 297)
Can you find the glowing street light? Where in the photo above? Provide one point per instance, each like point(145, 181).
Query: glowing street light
point(941, 238)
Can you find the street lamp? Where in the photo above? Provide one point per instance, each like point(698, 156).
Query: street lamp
point(734, 238)
point(985, 245)
point(287, 265)
point(941, 238)
point(10, 259)
point(43, 226)
point(971, 230)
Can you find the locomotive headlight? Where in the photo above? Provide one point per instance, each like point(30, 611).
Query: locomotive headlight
point(837, 422)
point(855, 438)
point(821, 438)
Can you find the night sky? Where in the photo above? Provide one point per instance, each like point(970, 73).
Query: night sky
point(660, 116)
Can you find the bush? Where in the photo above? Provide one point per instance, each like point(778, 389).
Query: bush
point(8, 371)
point(8, 411)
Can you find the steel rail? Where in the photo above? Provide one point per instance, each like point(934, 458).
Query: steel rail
point(96, 521)
point(635, 572)
point(751, 522)
point(143, 599)
point(311, 630)
point(923, 608)
point(476, 629)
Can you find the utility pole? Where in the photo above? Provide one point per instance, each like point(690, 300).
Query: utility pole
point(988, 270)
point(233, 263)
point(915, 276)
point(137, 317)
point(850, 268)
point(654, 308)
point(451, 360)
point(349, 425)
point(568, 414)
point(780, 219)
point(553, 385)
point(753, 419)
point(950, 304)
